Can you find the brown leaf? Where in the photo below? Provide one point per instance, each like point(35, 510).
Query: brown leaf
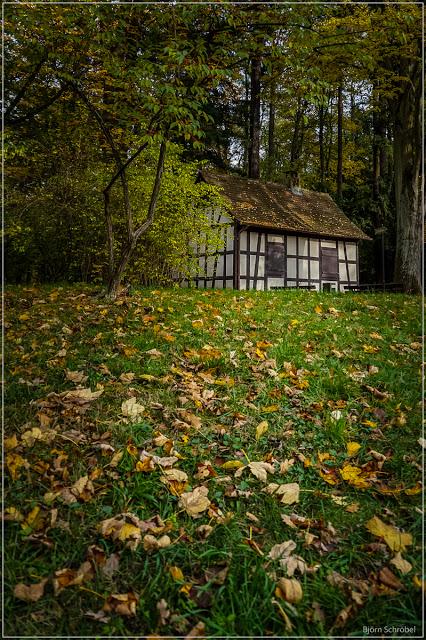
point(132, 410)
point(282, 550)
point(70, 577)
point(389, 579)
point(197, 631)
point(31, 592)
point(164, 611)
point(289, 590)
point(152, 544)
point(203, 531)
point(81, 396)
point(122, 603)
point(76, 376)
point(343, 616)
point(400, 563)
point(195, 502)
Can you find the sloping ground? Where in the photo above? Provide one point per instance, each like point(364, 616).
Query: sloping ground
point(212, 463)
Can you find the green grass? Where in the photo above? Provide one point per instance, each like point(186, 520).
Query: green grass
point(232, 359)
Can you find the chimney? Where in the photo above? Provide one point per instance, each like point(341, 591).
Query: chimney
point(292, 182)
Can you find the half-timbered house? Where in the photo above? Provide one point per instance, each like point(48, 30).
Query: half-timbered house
point(277, 237)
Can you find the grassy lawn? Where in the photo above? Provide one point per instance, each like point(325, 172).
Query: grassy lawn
point(224, 424)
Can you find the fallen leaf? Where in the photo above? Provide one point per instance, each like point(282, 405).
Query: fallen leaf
point(150, 543)
point(389, 579)
point(99, 616)
point(164, 611)
point(355, 476)
point(128, 377)
point(282, 550)
point(232, 464)
point(30, 592)
point(259, 469)
point(288, 493)
point(261, 429)
point(197, 631)
point(352, 508)
point(70, 577)
point(195, 502)
point(203, 531)
point(132, 410)
point(343, 616)
point(76, 376)
point(400, 563)
point(352, 448)
point(81, 396)
point(14, 463)
point(289, 589)
point(176, 573)
point(395, 539)
point(122, 603)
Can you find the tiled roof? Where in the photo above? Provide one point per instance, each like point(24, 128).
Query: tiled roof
point(272, 205)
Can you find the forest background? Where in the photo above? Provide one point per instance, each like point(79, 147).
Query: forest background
point(111, 109)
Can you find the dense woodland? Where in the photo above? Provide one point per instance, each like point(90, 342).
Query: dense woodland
point(110, 110)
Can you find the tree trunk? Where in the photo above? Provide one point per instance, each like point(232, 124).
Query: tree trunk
point(339, 142)
point(407, 150)
point(271, 134)
point(254, 142)
point(128, 249)
point(321, 146)
point(298, 132)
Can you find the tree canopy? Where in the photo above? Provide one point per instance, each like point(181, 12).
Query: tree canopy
point(98, 96)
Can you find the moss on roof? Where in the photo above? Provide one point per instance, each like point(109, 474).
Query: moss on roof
point(274, 206)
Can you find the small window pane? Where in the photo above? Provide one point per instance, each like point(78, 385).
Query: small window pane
point(291, 246)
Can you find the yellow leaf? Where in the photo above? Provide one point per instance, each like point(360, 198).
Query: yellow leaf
point(369, 348)
point(11, 443)
point(318, 309)
point(232, 464)
point(354, 476)
point(352, 448)
point(418, 488)
point(24, 316)
point(132, 450)
point(270, 408)
point(261, 428)
point(146, 465)
point(370, 423)
point(128, 530)
point(14, 462)
point(186, 588)
point(176, 573)
point(395, 539)
point(197, 324)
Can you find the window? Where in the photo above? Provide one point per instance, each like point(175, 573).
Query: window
point(329, 264)
point(274, 259)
